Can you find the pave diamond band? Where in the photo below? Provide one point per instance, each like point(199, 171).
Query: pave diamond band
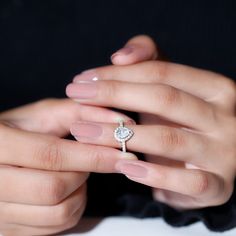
point(123, 134)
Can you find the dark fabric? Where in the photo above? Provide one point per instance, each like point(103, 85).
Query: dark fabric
point(43, 44)
point(218, 218)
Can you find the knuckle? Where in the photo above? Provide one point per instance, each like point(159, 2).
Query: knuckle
point(110, 90)
point(62, 214)
point(74, 221)
point(77, 216)
point(165, 97)
point(229, 89)
point(222, 193)
point(96, 160)
point(46, 110)
point(170, 96)
point(51, 155)
point(200, 184)
point(159, 70)
point(170, 139)
point(53, 190)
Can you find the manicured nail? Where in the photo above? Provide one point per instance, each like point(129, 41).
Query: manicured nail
point(82, 90)
point(86, 130)
point(123, 52)
point(129, 122)
point(132, 170)
point(128, 156)
point(87, 75)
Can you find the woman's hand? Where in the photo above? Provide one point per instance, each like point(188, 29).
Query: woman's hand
point(43, 177)
point(191, 122)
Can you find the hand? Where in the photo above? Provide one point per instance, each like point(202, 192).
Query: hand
point(43, 177)
point(194, 125)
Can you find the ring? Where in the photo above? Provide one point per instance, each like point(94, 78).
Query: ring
point(123, 134)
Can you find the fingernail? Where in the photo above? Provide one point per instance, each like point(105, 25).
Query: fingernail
point(82, 90)
point(123, 52)
point(86, 130)
point(132, 170)
point(130, 121)
point(128, 156)
point(87, 75)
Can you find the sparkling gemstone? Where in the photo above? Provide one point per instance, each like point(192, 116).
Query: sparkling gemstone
point(123, 134)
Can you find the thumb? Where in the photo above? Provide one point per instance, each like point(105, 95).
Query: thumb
point(55, 116)
point(137, 49)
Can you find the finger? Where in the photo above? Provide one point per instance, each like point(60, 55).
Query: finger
point(32, 215)
point(37, 187)
point(46, 152)
point(196, 183)
point(158, 99)
point(207, 85)
point(102, 114)
point(164, 141)
point(138, 48)
point(17, 229)
point(176, 200)
point(54, 116)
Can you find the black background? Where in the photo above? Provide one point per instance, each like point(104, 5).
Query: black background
point(44, 43)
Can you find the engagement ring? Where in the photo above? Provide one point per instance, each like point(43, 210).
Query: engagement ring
point(123, 134)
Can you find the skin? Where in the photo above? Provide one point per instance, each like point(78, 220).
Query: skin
point(43, 176)
point(187, 119)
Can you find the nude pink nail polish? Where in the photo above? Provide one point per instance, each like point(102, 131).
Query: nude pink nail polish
point(131, 169)
point(82, 90)
point(122, 52)
point(88, 75)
